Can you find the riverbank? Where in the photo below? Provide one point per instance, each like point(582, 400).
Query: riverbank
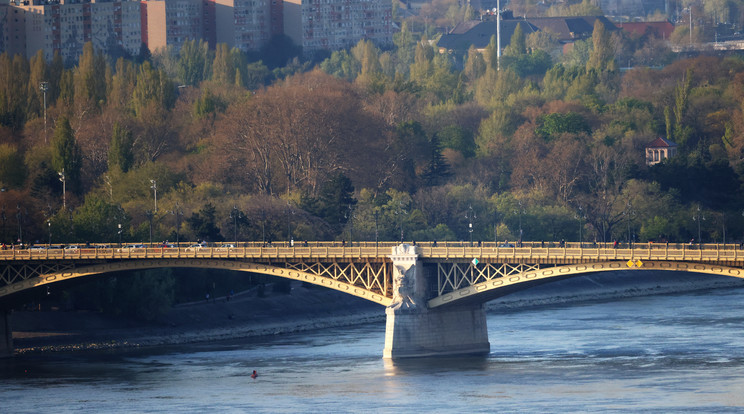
point(308, 308)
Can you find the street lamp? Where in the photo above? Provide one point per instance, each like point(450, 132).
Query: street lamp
point(400, 212)
point(351, 226)
point(235, 215)
point(628, 213)
point(64, 188)
point(44, 86)
point(154, 187)
point(119, 232)
point(579, 216)
point(49, 224)
point(377, 233)
point(19, 216)
point(699, 217)
point(2, 215)
point(178, 212)
point(150, 216)
point(521, 211)
point(470, 215)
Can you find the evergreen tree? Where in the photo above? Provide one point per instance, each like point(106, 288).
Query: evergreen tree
point(204, 224)
point(437, 168)
point(335, 198)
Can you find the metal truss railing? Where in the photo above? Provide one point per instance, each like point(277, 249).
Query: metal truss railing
point(372, 276)
point(452, 276)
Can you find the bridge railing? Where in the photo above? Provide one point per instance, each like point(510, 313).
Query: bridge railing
point(371, 250)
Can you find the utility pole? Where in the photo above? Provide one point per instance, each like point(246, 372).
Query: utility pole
point(64, 188)
point(470, 215)
point(154, 187)
point(44, 86)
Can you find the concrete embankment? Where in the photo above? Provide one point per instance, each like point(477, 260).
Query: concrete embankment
point(306, 309)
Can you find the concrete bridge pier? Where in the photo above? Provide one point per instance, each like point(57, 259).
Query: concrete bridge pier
point(6, 334)
point(413, 330)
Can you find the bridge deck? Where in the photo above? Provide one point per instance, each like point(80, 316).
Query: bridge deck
point(380, 253)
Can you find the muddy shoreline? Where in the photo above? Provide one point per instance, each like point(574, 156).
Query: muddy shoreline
point(304, 309)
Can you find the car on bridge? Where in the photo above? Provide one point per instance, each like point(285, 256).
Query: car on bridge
point(197, 246)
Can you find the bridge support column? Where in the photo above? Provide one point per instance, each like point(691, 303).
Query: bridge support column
point(413, 330)
point(6, 334)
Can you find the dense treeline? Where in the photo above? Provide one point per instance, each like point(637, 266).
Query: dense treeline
point(401, 143)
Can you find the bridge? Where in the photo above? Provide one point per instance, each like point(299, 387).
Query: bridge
point(433, 293)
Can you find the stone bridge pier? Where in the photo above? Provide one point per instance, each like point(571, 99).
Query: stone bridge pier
point(413, 330)
point(6, 334)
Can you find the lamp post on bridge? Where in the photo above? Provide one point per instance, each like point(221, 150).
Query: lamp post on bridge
point(178, 212)
point(154, 186)
point(400, 212)
point(349, 215)
point(235, 215)
point(699, 216)
point(149, 214)
point(63, 179)
point(580, 216)
point(49, 225)
point(377, 233)
point(520, 212)
point(2, 215)
point(119, 232)
point(470, 215)
point(628, 213)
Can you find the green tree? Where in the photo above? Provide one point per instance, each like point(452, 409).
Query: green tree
point(121, 151)
point(602, 55)
point(89, 79)
point(518, 43)
point(194, 63)
point(335, 199)
point(97, 220)
point(204, 224)
point(457, 138)
point(12, 168)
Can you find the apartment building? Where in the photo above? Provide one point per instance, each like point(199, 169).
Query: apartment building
point(336, 24)
point(65, 26)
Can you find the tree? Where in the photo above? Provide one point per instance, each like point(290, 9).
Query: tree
point(12, 168)
point(194, 63)
point(335, 200)
point(602, 55)
point(121, 152)
point(66, 154)
point(517, 45)
point(204, 224)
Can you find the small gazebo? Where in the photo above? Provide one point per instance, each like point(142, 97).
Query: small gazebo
point(659, 150)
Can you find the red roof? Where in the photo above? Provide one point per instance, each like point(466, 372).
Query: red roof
point(661, 143)
point(658, 29)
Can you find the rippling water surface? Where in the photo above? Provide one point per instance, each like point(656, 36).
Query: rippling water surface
point(678, 353)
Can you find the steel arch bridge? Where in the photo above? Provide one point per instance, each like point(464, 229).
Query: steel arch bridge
point(456, 273)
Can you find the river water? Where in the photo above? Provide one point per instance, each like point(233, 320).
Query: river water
point(673, 353)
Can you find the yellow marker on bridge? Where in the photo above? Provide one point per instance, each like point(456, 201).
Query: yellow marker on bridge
point(631, 263)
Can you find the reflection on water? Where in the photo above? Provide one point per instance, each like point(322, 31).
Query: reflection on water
point(664, 353)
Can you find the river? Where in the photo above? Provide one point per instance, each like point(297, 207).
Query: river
point(670, 353)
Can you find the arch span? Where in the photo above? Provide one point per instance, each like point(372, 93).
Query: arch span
point(491, 289)
point(207, 263)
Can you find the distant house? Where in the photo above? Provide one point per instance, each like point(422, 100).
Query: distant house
point(478, 33)
point(659, 150)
